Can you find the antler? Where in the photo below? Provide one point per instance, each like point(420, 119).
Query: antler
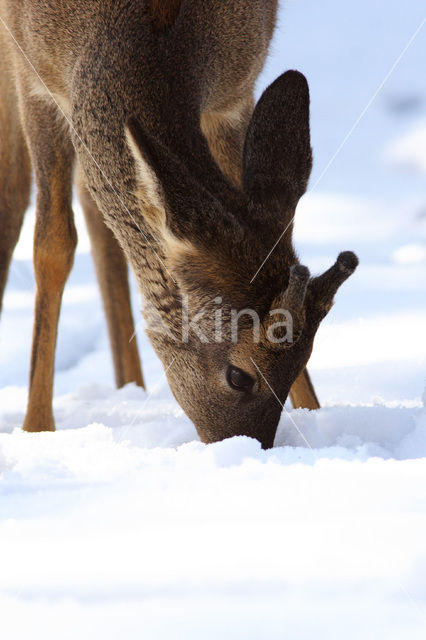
point(306, 301)
point(290, 303)
point(324, 287)
point(294, 296)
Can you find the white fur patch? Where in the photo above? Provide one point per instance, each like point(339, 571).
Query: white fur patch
point(146, 178)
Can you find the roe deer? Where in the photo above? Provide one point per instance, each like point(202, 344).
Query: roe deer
point(152, 102)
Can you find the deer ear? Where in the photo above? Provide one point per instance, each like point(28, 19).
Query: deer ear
point(163, 184)
point(277, 156)
point(188, 219)
point(190, 211)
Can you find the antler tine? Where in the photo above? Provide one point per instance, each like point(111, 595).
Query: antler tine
point(292, 301)
point(294, 295)
point(326, 285)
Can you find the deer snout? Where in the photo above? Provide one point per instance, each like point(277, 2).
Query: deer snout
point(254, 421)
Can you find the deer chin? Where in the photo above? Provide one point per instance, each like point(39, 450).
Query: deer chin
point(256, 418)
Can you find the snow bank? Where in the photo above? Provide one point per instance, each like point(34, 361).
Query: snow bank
point(101, 533)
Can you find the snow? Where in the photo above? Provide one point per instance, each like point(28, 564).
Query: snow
point(122, 524)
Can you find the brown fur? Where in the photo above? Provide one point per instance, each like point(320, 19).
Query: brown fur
point(163, 12)
point(303, 394)
point(111, 269)
point(54, 246)
point(179, 77)
point(225, 135)
point(15, 171)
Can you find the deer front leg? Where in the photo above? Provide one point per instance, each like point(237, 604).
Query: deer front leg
point(225, 133)
point(55, 240)
point(112, 274)
point(15, 182)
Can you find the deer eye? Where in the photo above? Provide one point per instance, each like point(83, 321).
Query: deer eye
point(239, 379)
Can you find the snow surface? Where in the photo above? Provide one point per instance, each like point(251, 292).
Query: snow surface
point(122, 524)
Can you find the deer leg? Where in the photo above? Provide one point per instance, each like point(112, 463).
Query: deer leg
point(112, 274)
point(55, 240)
point(302, 393)
point(15, 182)
point(225, 133)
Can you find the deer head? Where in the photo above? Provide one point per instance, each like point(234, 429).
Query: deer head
point(245, 339)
